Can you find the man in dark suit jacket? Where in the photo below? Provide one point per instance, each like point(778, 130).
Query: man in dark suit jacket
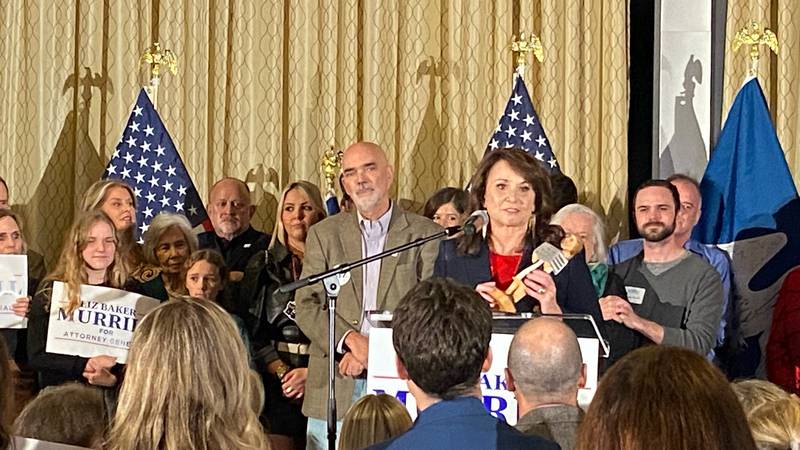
point(545, 371)
point(441, 333)
point(376, 225)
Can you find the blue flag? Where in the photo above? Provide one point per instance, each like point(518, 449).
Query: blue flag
point(147, 160)
point(751, 210)
point(519, 127)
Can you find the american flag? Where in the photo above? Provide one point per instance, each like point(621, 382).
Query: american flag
point(520, 127)
point(146, 159)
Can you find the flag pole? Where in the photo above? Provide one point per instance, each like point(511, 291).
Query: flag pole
point(156, 57)
point(754, 35)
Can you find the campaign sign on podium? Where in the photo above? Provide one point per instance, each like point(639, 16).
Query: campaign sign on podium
point(497, 399)
point(102, 325)
point(13, 285)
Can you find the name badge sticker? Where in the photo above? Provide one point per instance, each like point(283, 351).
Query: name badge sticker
point(635, 294)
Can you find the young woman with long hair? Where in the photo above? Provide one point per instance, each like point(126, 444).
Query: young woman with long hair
point(89, 256)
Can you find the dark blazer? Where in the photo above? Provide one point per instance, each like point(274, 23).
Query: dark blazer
point(575, 292)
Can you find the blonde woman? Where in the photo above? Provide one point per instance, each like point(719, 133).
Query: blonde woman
point(168, 242)
point(280, 348)
point(89, 256)
point(199, 395)
point(373, 419)
point(117, 200)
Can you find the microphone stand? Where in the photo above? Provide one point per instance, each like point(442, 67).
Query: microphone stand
point(333, 279)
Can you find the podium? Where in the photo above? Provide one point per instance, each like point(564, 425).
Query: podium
point(382, 371)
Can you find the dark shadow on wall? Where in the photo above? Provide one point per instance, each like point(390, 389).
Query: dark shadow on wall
point(686, 151)
point(259, 179)
point(429, 171)
point(74, 165)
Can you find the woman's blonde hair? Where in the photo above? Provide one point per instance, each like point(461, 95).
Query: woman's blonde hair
point(158, 226)
point(373, 419)
point(772, 413)
point(776, 425)
point(198, 395)
point(753, 394)
point(71, 268)
point(312, 192)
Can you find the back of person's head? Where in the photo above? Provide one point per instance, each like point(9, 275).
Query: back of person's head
point(773, 414)
point(564, 190)
point(198, 395)
point(441, 335)
point(545, 362)
point(660, 397)
point(72, 414)
point(776, 425)
point(753, 394)
point(6, 396)
point(373, 419)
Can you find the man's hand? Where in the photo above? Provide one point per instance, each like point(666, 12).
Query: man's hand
point(350, 366)
point(358, 345)
point(608, 306)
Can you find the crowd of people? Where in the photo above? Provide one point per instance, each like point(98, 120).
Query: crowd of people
point(227, 361)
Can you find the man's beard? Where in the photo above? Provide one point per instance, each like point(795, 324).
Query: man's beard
point(657, 235)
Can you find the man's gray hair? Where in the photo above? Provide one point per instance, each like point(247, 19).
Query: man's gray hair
point(598, 228)
point(160, 224)
point(545, 360)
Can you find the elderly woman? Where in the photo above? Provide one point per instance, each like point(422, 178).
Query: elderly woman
point(588, 226)
point(448, 207)
point(168, 242)
point(515, 191)
point(280, 348)
point(116, 199)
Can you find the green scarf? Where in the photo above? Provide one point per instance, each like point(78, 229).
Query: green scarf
point(599, 272)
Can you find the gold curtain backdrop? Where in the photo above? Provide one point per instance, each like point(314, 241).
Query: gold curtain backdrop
point(778, 74)
point(266, 86)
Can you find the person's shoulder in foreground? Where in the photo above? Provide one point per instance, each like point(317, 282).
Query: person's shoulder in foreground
point(462, 424)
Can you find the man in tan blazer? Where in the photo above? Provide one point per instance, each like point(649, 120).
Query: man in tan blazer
point(377, 224)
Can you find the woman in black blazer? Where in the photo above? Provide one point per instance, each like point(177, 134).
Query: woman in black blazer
point(514, 189)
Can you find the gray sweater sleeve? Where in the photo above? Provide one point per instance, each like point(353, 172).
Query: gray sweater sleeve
point(703, 314)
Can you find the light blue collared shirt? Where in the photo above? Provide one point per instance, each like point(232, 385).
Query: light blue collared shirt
point(373, 241)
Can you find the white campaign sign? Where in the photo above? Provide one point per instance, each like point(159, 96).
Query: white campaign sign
point(102, 325)
point(21, 443)
point(382, 374)
point(13, 285)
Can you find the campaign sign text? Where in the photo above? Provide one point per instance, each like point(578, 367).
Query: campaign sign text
point(13, 285)
point(102, 325)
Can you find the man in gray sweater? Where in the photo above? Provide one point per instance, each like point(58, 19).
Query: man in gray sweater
point(674, 297)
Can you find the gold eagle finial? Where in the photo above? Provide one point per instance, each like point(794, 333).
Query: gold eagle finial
point(754, 35)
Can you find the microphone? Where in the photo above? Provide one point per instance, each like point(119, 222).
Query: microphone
point(475, 222)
